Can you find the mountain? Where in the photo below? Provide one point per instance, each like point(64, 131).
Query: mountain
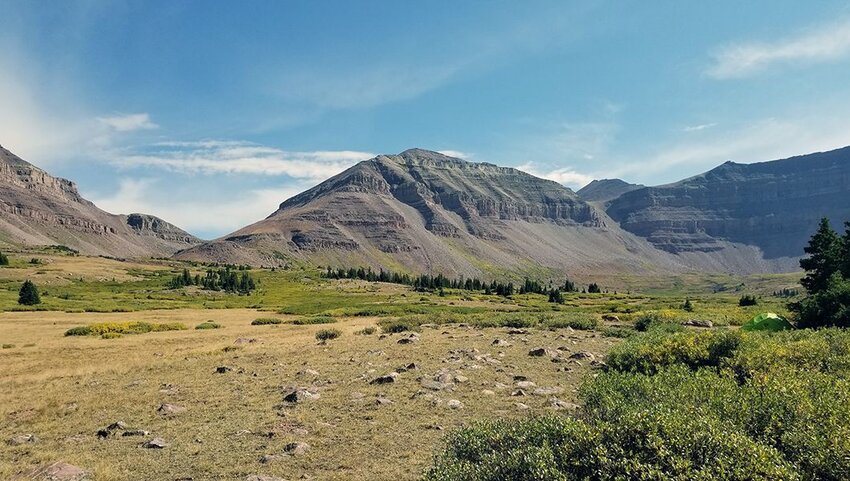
point(423, 211)
point(39, 209)
point(605, 190)
point(742, 217)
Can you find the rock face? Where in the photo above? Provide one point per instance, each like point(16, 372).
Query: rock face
point(742, 217)
point(605, 190)
point(39, 209)
point(430, 212)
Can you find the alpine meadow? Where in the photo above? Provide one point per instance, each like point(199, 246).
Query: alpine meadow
point(446, 241)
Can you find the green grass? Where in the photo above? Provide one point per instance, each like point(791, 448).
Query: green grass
point(106, 329)
point(306, 321)
point(328, 334)
point(208, 325)
point(266, 321)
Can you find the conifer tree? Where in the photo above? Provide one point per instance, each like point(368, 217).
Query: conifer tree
point(28, 295)
point(4, 261)
point(823, 260)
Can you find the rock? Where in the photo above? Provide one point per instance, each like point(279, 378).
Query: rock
point(296, 449)
point(412, 366)
point(22, 439)
point(610, 318)
point(500, 386)
point(517, 331)
point(547, 391)
point(461, 379)
point(558, 404)
point(699, 323)
point(518, 392)
point(308, 373)
point(454, 404)
point(382, 401)
point(522, 406)
point(525, 384)
point(409, 339)
point(583, 355)
point(501, 343)
point(223, 369)
point(299, 395)
point(170, 409)
point(58, 471)
point(135, 432)
point(385, 379)
point(538, 352)
point(155, 443)
point(110, 430)
point(487, 392)
point(263, 477)
point(268, 458)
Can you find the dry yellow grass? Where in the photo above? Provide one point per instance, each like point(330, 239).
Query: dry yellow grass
point(64, 389)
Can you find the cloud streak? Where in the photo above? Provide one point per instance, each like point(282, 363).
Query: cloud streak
point(821, 44)
point(128, 122)
point(564, 175)
point(229, 157)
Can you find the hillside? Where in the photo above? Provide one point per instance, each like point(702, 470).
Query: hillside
point(750, 217)
point(39, 209)
point(426, 212)
point(605, 190)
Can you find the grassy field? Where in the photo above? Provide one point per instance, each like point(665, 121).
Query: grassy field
point(234, 424)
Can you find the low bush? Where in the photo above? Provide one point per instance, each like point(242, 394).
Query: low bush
point(110, 335)
point(208, 325)
point(265, 321)
point(123, 328)
point(328, 334)
point(306, 321)
point(366, 331)
point(575, 320)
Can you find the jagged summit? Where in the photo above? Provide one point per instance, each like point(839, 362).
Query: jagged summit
point(39, 209)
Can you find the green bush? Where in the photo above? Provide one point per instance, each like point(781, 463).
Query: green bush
point(100, 329)
point(4, 260)
point(79, 331)
point(713, 405)
point(366, 331)
point(110, 335)
point(265, 321)
point(328, 334)
point(28, 295)
point(828, 307)
point(208, 325)
point(306, 321)
point(747, 300)
point(575, 320)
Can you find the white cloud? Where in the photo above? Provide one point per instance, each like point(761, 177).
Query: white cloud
point(456, 154)
point(820, 44)
point(201, 214)
point(128, 122)
point(564, 175)
point(697, 128)
point(228, 157)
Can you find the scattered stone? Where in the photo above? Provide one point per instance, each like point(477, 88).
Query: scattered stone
point(518, 392)
point(461, 379)
point(23, 439)
point(58, 471)
point(500, 386)
point(412, 366)
point(522, 406)
point(501, 343)
point(699, 323)
point(308, 373)
point(583, 355)
point(169, 409)
point(357, 395)
point(487, 392)
point(517, 331)
point(110, 430)
point(135, 432)
point(558, 404)
point(538, 352)
point(268, 458)
point(382, 401)
point(409, 339)
point(610, 318)
point(299, 395)
point(547, 391)
point(223, 369)
point(296, 449)
point(454, 404)
point(435, 427)
point(155, 443)
point(436, 385)
point(525, 384)
point(385, 379)
point(262, 477)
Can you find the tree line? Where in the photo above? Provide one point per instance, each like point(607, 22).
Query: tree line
point(437, 282)
point(223, 279)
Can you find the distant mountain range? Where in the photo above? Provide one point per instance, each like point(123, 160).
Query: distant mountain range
point(422, 211)
point(39, 209)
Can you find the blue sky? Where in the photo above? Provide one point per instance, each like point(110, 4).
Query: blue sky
point(211, 113)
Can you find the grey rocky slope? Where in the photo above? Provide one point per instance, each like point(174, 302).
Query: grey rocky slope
point(605, 190)
point(39, 209)
point(742, 217)
point(422, 211)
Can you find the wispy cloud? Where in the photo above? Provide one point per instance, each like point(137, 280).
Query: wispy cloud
point(456, 153)
point(697, 128)
point(819, 44)
point(564, 175)
point(195, 214)
point(233, 157)
point(128, 122)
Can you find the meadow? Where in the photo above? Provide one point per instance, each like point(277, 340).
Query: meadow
point(238, 398)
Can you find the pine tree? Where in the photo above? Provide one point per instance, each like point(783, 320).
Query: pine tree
point(824, 252)
point(29, 294)
point(844, 252)
point(4, 261)
point(687, 306)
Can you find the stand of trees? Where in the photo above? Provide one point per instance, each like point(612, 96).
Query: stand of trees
point(4, 260)
point(224, 279)
point(439, 282)
point(827, 279)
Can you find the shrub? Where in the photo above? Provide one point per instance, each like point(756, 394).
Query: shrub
point(8, 346)
point(264, 321)
point(110, 335)
point(619, 332)
point(747, 300)
point(208, 325)
point(79, 331)
point(575, 320)
point(643, 322)
point(100, 329)
point(366, 331)
point(28, 295)
point(828, 307)
point(306, 321)
point(657, 349)
point(688, 306)
point(328, 334)
point(4, 260)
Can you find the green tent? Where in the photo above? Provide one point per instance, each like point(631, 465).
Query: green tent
point(767, 321)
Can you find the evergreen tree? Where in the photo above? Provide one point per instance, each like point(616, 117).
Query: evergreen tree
point(593, 289)
point(823, 260)
point(4, 261)
point(688, 306)
point(29, 294)
point(556, 296)
point(844, 252)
